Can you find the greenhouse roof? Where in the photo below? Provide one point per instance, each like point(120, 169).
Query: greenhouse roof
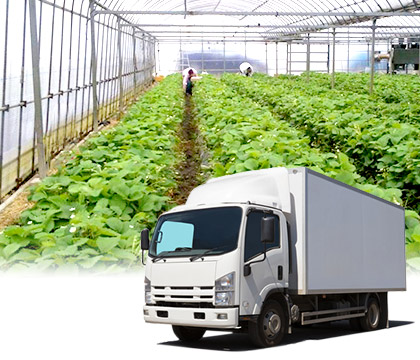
point(266, 20)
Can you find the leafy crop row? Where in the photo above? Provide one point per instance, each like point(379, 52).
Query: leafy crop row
point(241, 135)
point(91, 212)
point(384, 150)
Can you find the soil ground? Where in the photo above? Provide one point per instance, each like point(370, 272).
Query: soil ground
point(10, 215)
point(189, 170)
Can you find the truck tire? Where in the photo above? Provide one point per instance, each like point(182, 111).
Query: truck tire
point(270, 327)
point(372, 319)
point(188, 334)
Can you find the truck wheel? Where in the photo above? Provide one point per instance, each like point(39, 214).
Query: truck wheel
point(270, 326)
point(188, 334)
point(372, 318)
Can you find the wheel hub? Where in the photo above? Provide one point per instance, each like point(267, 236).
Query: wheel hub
point(373, 315)
point(271, 324)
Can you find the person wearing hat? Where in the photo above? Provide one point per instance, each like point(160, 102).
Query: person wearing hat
point(187, 76)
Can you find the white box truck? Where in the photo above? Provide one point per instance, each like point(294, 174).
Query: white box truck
point(264, 250)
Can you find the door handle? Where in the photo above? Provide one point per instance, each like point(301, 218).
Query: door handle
point(280, 272)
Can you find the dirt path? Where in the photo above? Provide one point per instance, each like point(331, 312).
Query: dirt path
point(189, 170)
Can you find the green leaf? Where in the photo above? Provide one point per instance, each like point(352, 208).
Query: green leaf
point(12, 248)
point(14, 230)
point(251, 164)
point(147, 204)
point(346, 177)
point(89, 262)
point(25, 255)
point(81, 241)
point(115, 224)
point(117, 205)
point(4, 240)
point(219, 170)
point(40, 195)
point(123, 254)
point(119, 186)
point(69, 251)
point(106, 243)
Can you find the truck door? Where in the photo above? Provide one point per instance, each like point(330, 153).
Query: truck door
point(267, 275)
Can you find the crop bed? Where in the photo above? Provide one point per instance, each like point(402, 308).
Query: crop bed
point(91, 212)
point(384, 148)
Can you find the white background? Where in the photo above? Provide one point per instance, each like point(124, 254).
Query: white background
point(100, 317)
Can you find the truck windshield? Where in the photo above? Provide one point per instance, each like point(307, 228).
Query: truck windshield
point(191, 233)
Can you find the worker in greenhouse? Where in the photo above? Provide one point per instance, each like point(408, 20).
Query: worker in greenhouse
point(187, 79)
point(246, 69)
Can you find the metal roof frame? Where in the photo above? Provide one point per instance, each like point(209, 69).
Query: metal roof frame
point(277, 17)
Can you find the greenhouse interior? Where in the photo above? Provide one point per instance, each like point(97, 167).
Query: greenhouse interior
point(98, 137)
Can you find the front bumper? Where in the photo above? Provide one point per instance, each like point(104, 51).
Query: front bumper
point(217, 318)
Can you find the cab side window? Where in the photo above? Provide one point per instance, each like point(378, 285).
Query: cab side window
point(253, 244)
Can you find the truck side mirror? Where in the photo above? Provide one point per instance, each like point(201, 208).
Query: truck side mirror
point(267, 230)
point(144, 239)
point(144, 243)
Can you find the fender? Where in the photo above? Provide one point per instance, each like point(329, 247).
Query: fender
point(265, 293)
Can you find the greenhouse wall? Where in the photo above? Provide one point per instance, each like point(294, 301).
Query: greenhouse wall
point(125, 66)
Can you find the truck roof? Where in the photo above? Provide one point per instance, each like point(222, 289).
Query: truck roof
point(269, 187)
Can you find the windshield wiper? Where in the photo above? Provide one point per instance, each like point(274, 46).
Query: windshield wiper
point(157, 258)
point(179, 249)
point(198, 256)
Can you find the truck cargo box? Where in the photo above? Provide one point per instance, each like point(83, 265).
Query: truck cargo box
point(343, 240)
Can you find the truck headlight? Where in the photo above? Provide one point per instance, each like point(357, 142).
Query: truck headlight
point(225, 290)
point(147, 291)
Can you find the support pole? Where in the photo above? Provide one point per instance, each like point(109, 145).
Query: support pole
point(224, 54)
point(202, 55)
point(277, 58)
point(372, 58)
point(290, 58)
point(245, 45)
point(134, 61)
point(328, 55)
point(94, 66)
point(333, 61)
point(158, 58)
point(308, 58)
point(154, 57)
point(42, 165)
point(367, 56)
point(348, 49)
point(120, 67)
point(181, 67)
point(144, 59)
point(287, 58)
point(266, 58)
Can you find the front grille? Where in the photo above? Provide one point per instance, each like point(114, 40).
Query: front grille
point(199, 305)
point(182, 287)
point(183, 296)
